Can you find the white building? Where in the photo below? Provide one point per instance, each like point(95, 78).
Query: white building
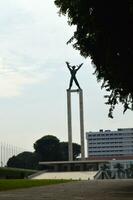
point(110, 144)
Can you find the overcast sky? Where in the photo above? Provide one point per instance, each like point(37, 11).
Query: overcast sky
point(34, 77)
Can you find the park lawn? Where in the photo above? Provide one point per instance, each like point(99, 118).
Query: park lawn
point(25, 183)
point(15, 173)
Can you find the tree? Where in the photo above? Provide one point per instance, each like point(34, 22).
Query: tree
point(51, 149)
point(104, 33)
point(64, 150)
point(48, 147)
point(25, 160)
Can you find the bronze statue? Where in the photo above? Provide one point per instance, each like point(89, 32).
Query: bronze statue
point(73, 70)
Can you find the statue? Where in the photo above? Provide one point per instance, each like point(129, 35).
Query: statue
point(73, 70)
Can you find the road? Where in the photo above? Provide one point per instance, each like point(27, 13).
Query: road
point(82, 190)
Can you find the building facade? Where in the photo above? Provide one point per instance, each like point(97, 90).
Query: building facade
point(110, 144)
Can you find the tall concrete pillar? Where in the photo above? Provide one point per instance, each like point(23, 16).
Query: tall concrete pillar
point(69, 119)
point(69, 116)
point(81, 123)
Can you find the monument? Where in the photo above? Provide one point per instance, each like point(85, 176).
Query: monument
point(73, 70)
point(79, 164)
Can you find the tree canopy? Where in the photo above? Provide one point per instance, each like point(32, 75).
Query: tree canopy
point(25, 160)
point(47, 148)
point(104, 33)
point(64, 150)
point(51, 149)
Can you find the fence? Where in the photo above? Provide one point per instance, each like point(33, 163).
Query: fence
point(7, 151)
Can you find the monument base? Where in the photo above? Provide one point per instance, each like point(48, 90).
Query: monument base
point(78, 165)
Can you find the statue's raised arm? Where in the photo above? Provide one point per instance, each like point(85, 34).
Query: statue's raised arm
point(68, 65)
point(79, 66)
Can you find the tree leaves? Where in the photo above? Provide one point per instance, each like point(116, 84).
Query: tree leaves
point(104, 33)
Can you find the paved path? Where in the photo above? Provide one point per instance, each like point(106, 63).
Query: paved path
point(83, 190)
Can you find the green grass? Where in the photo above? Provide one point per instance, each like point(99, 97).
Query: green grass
point(14, 173)
point(23, 183)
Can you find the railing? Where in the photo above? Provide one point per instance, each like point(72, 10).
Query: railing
point(7, 151)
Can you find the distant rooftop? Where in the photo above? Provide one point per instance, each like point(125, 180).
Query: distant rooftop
point(119, 129)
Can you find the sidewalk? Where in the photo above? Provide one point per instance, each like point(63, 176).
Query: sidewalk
point(82, 190)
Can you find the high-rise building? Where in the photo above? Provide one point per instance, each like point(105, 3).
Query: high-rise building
point(110, 144)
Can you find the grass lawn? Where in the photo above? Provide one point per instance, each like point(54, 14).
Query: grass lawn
point(15, 173)
point(24, 183)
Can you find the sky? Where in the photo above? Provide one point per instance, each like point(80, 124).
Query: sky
point(34, 77)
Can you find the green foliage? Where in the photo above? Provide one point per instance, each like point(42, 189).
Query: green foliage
point(76, 150)
point(104, 33)
point(64, 150)
point(48, 147)
point(51, 149)
point(14, 173)
point(25, 160)
point(16, 184)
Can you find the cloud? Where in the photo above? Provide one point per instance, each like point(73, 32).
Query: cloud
point(24, 49)
point(32, 44)
point(33, 28)
point(13, 81)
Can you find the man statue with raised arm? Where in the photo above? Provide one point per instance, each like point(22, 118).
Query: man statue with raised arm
point(73, 70)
